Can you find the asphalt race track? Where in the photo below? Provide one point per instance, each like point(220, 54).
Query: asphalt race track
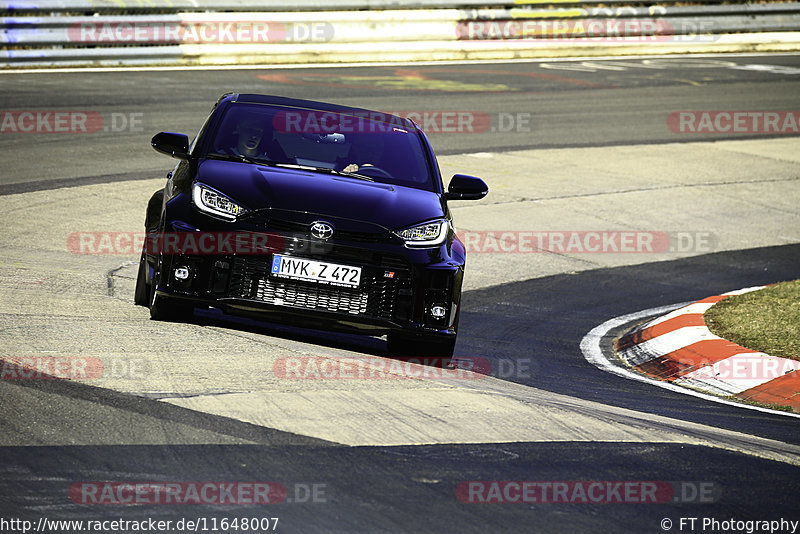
point(568, 145)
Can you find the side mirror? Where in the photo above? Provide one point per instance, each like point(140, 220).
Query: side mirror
point(171, 144)
point(463, 187)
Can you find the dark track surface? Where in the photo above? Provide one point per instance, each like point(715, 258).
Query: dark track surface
point(402, 489)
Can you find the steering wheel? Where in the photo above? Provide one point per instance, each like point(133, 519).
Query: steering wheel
point(381, 171)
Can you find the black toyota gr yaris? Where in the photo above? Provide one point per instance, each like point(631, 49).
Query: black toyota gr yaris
point(315, 214)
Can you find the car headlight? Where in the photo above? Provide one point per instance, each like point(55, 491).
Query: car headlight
point(215, 203)
point(430, 234)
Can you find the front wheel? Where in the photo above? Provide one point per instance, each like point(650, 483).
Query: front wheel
point(141, 296)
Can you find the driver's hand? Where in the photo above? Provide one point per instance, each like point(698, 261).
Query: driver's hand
point(351, 168)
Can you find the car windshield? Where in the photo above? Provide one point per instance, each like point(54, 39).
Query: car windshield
point(359, 146)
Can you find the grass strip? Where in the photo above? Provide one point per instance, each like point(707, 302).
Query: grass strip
point(767, 320)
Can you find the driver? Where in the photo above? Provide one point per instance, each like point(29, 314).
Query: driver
point(250, 133)
point(250, 141)
point(365, 152)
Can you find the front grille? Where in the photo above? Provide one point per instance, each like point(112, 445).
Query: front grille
point(376, 296)
point(312, 296)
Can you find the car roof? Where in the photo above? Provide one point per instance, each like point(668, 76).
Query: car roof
point(317, 106)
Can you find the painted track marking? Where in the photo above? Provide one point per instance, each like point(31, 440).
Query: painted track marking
point(590, 348)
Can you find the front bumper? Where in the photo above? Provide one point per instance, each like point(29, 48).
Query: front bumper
point(417, 292)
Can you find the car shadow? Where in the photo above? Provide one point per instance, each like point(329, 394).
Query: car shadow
point(358, 343)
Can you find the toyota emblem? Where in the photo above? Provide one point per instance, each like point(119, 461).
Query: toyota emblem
point(321, 230)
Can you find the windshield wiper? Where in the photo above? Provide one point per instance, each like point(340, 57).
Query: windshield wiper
point(326, 170)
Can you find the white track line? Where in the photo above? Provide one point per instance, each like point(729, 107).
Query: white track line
point(590, 347)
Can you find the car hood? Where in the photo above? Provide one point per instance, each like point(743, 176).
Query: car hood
point(290, 190)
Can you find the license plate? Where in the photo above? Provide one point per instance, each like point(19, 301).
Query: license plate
point(315, 271)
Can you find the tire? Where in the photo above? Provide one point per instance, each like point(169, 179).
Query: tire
point(167, 309)
point(141, 296)
point(421, 347)
point(153, 215)
point(143, 293)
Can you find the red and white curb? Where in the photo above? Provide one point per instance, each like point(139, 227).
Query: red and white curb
point(679, 348)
